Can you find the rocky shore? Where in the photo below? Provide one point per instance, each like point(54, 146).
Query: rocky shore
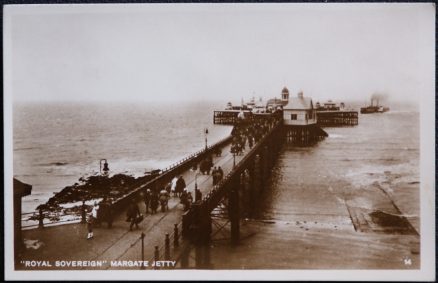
point(68, 202)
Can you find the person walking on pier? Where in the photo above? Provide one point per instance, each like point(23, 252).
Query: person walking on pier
point(218, 151)
point(189, 199)
point(154, 202)
point(220, 173)
point(180, 185)
point(92, 217)
point(173, 186)
point(133, 213)
point(164, 200)
point(184, 200)
point(147, 199)
point(250, 141)
point(198, 195)
point(215, 176)
point(168, 188)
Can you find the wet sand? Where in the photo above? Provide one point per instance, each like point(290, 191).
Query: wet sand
point(323, 227)
point(310, 245)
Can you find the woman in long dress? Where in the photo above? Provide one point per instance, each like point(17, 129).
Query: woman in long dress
point(173, 186)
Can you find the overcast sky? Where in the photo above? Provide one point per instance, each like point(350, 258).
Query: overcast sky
point(221, 52)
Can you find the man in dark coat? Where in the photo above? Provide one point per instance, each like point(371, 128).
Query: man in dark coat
point(154, 202)
point(184, 199)
point(133, 213)
point(220, 173)
point(215, 176)
point(180, 185)
point(198, 195)
point(147, 199)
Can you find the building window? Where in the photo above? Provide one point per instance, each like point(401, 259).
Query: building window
point(293, 116)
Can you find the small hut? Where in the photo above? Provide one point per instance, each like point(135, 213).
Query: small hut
point(20, 190)
point(300, 119)
point(299, 111)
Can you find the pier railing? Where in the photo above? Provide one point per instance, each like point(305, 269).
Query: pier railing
point(168, 173)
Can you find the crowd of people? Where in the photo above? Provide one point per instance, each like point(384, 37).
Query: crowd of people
point(248, 132)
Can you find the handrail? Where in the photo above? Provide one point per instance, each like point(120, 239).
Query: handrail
point(163, 173)
point(229, 176)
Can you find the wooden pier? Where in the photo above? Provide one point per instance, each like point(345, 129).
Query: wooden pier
point(337, 118)
point(304, 135)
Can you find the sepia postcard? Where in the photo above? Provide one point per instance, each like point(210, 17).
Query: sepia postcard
point(206, 141)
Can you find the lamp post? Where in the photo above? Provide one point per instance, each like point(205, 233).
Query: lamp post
point(105, 166)
point(196, 180)
point(205, 133)
point(233, 151)
point(198, 195)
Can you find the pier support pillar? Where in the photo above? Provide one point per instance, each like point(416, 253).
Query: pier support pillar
point(198, 256)
point(233, 207)
point(257, 174)
point(185, 257)
point(200, 235)
point(242, 188)
point(265, 164)
point(246, 194)
point(251, 190)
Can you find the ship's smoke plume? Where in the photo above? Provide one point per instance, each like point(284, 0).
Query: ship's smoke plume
point(379, 96)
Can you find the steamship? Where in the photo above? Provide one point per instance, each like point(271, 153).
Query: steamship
point(373, 108)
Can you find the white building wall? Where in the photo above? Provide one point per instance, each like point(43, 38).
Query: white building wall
point(301, 117)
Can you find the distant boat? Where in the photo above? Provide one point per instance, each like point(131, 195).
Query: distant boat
point(329, 106)
point(373, 108)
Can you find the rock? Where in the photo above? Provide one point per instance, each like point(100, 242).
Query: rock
point(93, 187)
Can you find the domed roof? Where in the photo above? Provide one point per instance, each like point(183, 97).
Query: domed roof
point(285, 90)
point(275, 102)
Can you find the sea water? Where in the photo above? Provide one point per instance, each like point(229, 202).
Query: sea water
point(55, 144)
point(382, 151)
